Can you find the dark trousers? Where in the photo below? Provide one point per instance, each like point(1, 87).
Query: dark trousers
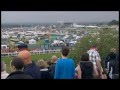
point(115, 76)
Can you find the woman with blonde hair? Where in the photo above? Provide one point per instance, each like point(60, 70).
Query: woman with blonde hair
point(43, 69)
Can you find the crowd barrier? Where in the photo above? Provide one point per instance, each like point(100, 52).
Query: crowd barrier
point(32, 52)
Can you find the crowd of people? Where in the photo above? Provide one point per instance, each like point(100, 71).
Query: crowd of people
point(89, 66)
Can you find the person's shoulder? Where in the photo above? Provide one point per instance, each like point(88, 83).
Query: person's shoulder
point(59, 60)
point(70, 59)
point(90, 62)
point(96, 51)
point(88, 50)
point(111, 61)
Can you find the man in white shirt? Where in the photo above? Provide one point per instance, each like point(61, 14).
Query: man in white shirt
point(4, 74)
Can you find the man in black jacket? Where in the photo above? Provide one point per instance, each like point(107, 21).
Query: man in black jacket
point(52, 67)
point(110, 57)
point(29, 67)
point(114, 66)
point(17, 70)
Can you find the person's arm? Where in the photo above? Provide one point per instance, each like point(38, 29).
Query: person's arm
point(79, 72)
point(99, 67)
point(110, 69)
point(95, 72)
point(56, 75)
point(106, 61)
point(98, 62)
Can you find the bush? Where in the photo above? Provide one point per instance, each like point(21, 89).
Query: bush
point(113, 22)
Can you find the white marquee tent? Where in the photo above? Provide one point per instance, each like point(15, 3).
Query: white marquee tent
point(32, 41)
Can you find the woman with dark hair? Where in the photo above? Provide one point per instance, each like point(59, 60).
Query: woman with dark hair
point(86, 69)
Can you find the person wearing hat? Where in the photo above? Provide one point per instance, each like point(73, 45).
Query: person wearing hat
point(22, 47)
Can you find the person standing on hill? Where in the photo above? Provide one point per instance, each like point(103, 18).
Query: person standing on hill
point(113, 70)
point(85, 68)
point(65, 67)
point(113, 50)
point(29, 67)
point(16, 66)
point(43, 69)
point(95, 58)
point(52, 67)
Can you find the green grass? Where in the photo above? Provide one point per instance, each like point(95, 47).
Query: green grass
point(38, 43)
point(34, 58)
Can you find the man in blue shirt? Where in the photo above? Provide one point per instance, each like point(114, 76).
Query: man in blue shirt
point(65, 67)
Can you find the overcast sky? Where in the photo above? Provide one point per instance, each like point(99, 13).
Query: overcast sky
point(55, 16)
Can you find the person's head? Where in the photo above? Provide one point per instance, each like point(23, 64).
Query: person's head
point(41, 63)
point(65, 51)
point(85, 57)
point(3, 66)
point(54, 59)
point(25, 56)
point(22, 46)
point(113, 50)
point(16, 64)
point(94, 47)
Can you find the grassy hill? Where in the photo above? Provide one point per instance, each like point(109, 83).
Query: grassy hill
point(34, 58)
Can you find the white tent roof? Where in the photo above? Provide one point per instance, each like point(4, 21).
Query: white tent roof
point(20, 42)
point(32, 40)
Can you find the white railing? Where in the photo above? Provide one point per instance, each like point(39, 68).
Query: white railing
point(32, 52)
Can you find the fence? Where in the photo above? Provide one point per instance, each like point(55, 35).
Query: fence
point(32, 52)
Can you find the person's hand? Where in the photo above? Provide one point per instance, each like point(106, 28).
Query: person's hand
point(100, 75)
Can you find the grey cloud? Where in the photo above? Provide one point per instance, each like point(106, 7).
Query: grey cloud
point(54, 16)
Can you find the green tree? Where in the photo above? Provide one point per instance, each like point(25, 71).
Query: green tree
point(113, 22)
point(105, 40)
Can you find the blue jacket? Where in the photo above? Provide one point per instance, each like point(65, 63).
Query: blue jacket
point(64, 69)
point(33, 70)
